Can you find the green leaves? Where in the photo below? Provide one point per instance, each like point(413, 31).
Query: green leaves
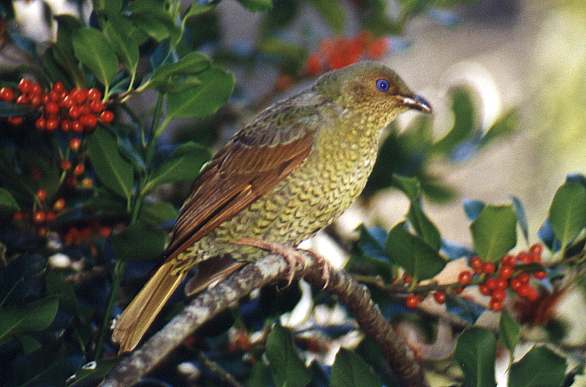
point(112, 169)
point(494, 232)
point(332, 13)
point(541, 367)
point(349, 370)
point(509, 331)
point(287, 368)
point(119, 35)
point(32, 317)
point(475, 353)
point(257, 5)
point(184, 164)
point(139, 242)
point(176, 77)
point(7, 201)
point(93, 50)
point(567, 213)
point(213, 92)
point(418, 259)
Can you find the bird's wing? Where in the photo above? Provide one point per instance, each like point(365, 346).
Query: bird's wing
point(256, 159)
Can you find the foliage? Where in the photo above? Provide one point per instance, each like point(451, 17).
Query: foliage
point(91, 180)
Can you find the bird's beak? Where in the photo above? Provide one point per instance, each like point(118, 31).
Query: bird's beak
point(416, 102)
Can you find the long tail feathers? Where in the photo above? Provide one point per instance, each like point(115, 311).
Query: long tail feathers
point(142, 311)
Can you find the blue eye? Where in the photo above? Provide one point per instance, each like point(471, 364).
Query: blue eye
point(382, 85)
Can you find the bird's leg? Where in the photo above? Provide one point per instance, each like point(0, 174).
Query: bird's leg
point(292, 255)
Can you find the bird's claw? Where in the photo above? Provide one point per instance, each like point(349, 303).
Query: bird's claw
point(293, 256)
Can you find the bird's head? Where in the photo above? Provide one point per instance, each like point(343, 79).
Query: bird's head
point(371, 89)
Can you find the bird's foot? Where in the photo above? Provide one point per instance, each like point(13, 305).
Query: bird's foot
point(295, 257)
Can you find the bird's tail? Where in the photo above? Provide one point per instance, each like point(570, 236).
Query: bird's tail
point(142, 311)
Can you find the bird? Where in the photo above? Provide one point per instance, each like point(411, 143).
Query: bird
point(284, 176)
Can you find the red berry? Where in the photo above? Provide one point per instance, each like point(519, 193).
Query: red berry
point(105, 231)
point(74, 112)
point(412, 301)
point(97, 106)
point(439, 296)
point(76, 126)
point(313, 65)
point(377, 48)
point(58, 86)
point(508, 260)
point(533, 294)
point(36, 100)
point(89, 121)
point(25, 85)
point(501, 283)
point(85, 109)
point(79, 95)
point(499, 294)
point(491, 283)
point(40, 123)
point(36, 89)
point(52, 124)
point(15, 120)
point(495, 305)
point(536, 249)
point(516, 284)
point(59, 204)
point(79, 169)
point(524, 258)
point(22, 100)
point(52, 108)
point(488, 267)
point(459, 290)
point(66, 102)
point(506, 272)
point(39, 217)
point(484, 290)
point(540, 274)
point(476, 264)
point(51, 216)
point(65, 165)
point(74, 144)
point(65, 125)
point(6, 94)
point(524, 278)
point(465, 278)
point(524, 290)
point(407, 279)
point(106, 116)
point(94, 94)
point(41, 194)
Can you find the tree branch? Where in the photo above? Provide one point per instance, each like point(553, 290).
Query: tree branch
point(268, 270)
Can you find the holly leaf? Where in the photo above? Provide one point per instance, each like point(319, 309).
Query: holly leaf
point(119, 34)
point(205, 99)
point(521, 217)
point(257, 5)
point(114, 171)
point(33, 317)
point(567, 213)
point(475, 353)
point(7, 201)
point(494, 232)
point(509, 330)
point(411, 252)
point(540, 367)
point(139, 242)
point(286, 366)
point(183, 165)
point(94, 51)
point(350, 370)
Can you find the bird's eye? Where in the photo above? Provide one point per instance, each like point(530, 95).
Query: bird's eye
point(382, 85)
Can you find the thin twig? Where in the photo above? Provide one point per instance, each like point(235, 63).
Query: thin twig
point(261, 273)
point(218, 371)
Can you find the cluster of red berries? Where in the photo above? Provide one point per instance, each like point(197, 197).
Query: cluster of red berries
point(44, 215)
point(83, 235)
point(495, 279)
point(340, 52)
point(77, 110)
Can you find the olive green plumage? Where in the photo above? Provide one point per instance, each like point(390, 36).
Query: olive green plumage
point(286, 175)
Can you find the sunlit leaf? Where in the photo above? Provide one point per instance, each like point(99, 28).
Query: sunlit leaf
point(475, 353)
point(509, 330)
point(567, 213)
point(541, 367)
point(494, 232)
point(349, 370)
